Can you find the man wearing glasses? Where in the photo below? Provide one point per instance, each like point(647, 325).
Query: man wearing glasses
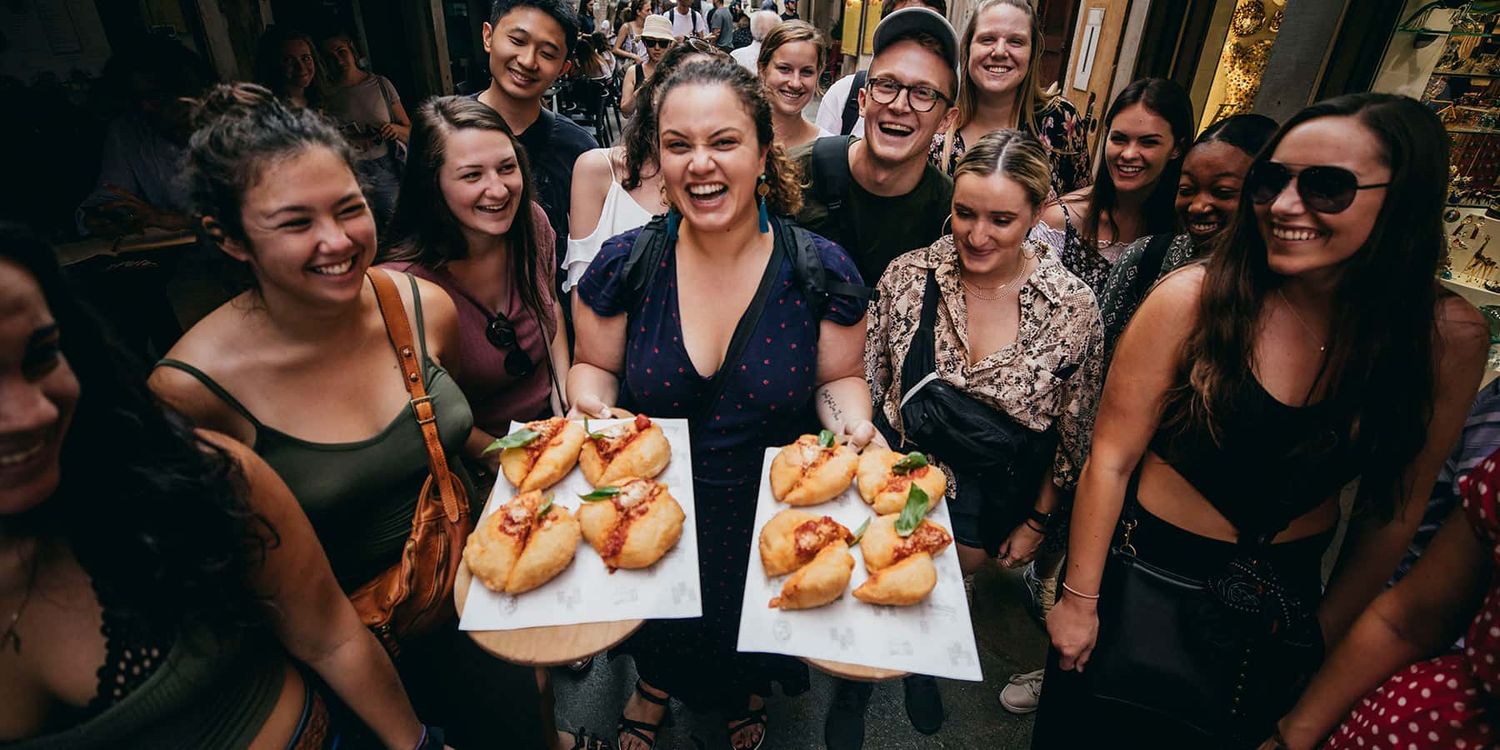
point(878, 197)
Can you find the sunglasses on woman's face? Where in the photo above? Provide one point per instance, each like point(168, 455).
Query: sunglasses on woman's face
point(1325, 189)
point(657, 43)
point(502, 335)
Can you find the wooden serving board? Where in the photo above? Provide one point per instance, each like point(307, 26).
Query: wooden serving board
point(544, 647)
point(854, 671)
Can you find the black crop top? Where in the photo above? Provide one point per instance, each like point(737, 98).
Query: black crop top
point(1272, 462)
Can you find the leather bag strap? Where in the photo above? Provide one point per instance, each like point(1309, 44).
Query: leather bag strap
point(399, 331)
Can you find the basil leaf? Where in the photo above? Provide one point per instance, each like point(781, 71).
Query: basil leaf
point(913, 460)
point(603, 493)
point(592, 435)
point(859, 533)
point(825, 438)
point(917, 504)
point(545, 508)
point(517, 439)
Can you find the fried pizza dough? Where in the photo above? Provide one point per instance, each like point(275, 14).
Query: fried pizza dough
point(793, 538)
point(905, 583)
point(820, 581)
point(634, 526)
point(882, 547)
point(545, 460)
point(637, 449)
point(514, 551)
point(885, 489)
point(808, 472)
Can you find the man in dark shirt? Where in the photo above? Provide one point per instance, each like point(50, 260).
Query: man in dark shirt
point(879, 198)
point(885, 199)
point(529, 42)
point(791, 11)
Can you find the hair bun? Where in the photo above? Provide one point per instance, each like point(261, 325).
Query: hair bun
point(226, 99)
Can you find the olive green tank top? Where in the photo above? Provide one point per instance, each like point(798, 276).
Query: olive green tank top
point(361, 496)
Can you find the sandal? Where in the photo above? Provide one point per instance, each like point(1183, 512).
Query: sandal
point(638, 729)
point(583, 740)
point(751, 717)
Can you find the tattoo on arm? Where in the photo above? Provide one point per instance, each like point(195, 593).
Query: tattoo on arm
point(832, 404)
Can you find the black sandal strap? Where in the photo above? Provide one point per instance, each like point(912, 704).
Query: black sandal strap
point(638, 729)
point(583, 740)
point(648, 697)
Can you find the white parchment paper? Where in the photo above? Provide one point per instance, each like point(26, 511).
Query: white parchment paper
point(587, 591)
point(934, 637)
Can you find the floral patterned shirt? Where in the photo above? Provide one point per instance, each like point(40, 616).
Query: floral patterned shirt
point(1060, 131)
point(1050, 375)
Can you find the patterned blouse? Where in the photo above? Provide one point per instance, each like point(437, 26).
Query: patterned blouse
point(1050, 375)
point(1119, 299)
point(1091, 264)
point(1060, 131)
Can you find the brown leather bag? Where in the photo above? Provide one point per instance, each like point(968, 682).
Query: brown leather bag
point(416, 594)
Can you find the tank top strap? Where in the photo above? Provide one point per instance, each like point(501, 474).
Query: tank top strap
point(421, 332)
point(213, 387)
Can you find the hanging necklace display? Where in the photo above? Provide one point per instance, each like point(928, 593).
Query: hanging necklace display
point(1248, 17)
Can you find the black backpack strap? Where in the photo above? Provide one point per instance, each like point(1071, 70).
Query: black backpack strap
point(851, 105)
point(830, 186)
point(812, 275)
point(645, 258)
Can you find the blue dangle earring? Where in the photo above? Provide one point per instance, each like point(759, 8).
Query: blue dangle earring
point(762, 189)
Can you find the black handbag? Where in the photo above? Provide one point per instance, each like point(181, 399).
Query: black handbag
point(1219, 656)
point(1004, 459)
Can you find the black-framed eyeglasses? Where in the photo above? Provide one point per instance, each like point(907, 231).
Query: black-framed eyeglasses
point(920, 98)
point(501, 334)
point(1322, 188)
point(656, 43)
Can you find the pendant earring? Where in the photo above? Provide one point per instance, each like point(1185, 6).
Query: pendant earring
point(762, 189)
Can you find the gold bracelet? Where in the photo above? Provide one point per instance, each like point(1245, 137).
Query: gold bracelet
point(1079, 594)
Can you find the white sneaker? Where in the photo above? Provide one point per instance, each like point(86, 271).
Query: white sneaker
point(1023, 693)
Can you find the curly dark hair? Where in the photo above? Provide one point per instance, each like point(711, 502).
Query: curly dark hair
point(155, 514)
point(782, 175)
point(639, 135)
point(240, 128)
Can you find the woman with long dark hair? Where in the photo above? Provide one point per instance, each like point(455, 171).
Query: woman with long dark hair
point(1148, 129)
point(160, 586)
point(300, 367)
point(1313, 348)
point(468, 223)
point(998, 89)
point(800, 367)
point(619, 188)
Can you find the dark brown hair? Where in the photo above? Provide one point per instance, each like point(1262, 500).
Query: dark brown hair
point(782, 176)
point(1169, 101)
point(1379, 366)
point(423, 229)
point(240, 128)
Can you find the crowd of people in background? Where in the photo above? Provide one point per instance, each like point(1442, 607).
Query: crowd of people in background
point(1166, 357)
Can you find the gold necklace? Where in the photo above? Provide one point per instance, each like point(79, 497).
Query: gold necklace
point(1321, 347)
point(994, 292)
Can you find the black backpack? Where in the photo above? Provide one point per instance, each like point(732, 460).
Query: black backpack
point(851, 105)
point(829, 180)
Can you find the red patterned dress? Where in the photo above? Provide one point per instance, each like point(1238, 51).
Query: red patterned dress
point(1449, 701)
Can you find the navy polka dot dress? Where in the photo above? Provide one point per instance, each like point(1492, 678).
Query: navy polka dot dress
point(766, 401)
